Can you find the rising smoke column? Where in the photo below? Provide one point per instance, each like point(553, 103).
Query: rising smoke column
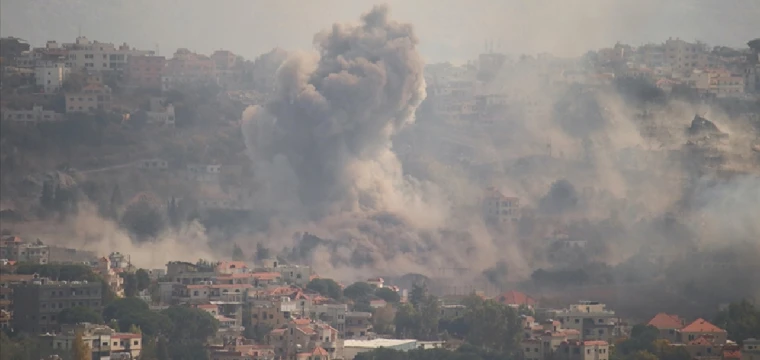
point(324, 138)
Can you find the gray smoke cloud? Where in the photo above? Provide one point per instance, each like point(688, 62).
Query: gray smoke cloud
point(325, 135)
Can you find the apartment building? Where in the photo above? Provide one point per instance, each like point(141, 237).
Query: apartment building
point(751, 349)
point(583, 350)
point(99, 56)
point(591, 319)
point(34, 116)
point(188, 67)
point(93, 97)
point(13, 248)
point(305, 338)
point(7, 281)
point(145, 71)
point(49, 76)
point(37, 304)
point(499, 208)
point(103, 341)
point(682, 56)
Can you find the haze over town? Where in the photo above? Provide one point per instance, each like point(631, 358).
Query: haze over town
point(440, 157)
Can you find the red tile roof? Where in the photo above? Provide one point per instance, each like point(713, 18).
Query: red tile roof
point(700, 341)
point(666, 321)
point(701, 326)
point(732, 353)
point(516, 298)
point(319, 351)
point(303, 321)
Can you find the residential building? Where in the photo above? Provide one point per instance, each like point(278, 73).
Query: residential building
point(227, 68)
point(14, 249)
point(751, 349)
point(333, 314)
point(668, 325)
point(34, 116)
point(98, 56)
point(151, 164)
point(92, 97)
point(295, 274)
point(583, 350)
point(702, 328)
point(303, 338)
point(541, 341)
point(50, 76)
point(517, 299)
point(110, 276)
point(243, 352)
point(358, 324)
point(499, 208)
point(208, 173)
point(591, 319)
point(103, 341)
point(37, 304)
point(683, 56)
point(376, 282)
point(145, 71)
point(161, 117)
point(703, 348)
point(353, 347)
point(7, 281)
point(187, 67)
point(752, 78)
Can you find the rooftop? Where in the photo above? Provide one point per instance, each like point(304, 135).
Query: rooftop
point(702, 326)
point(666, 321)
point(376, 343)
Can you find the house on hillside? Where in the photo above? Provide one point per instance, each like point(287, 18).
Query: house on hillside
point(702, 328)
point(516, 299)
point(669, 326)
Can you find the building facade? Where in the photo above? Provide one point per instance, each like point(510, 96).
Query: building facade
point(93, 97)
point(103, 341)
point(37, 304)
point(50, 76)
point(145, 71)
point(34, 116)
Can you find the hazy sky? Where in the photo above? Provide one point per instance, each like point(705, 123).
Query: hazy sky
point(448, 29)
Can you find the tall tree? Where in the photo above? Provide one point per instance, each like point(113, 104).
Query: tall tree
point(358, 290)
point(326, 287)
point(130, 284)
point(79, 314)
point(162, 349)
point(741, 320)
point(116, 202)
point(80, 350)
point(237, 253)
point(143, 279)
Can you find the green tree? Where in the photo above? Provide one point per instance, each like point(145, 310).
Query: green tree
point(79, 314)
point(388, 295)
point(741, 320)
point(262, 252)
point(143, 219)
point(358, 290)
point(190, 324)
point(130, 284)
point(237, 253)
point(642, 355)
point(79, 349)
point(122, 307)
point(326, 287)
point(492, 325)
point(642, 339)
point(257, 332)
point(383, 318)
point(407, 321)
point(162, 349)
point(754, 44)
point(143, 279)
point(116, 202)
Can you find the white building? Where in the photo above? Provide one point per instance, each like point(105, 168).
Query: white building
point(92, 97)
point(33, 116)
point(164, 117)
point(50, 76)
point(148, 164)
point(203, 172)
point(94, 55)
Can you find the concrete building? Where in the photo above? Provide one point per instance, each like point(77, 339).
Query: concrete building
point(187, 67)
point(7, 281)
point(683, 56)
point(208, 173)
point(153, 164)
point(161, 117)
point(14, 249)
point(499, 208)
point(591, 319)
point(34, 116)
point(37, 304)
point(701, 328)
point(145, 71)
point(353, 347)
point(751, 349)
point(669, 326)
point(98, 56)
point(50, 76)
point(93, 97)
point(303, 338)
point(583, 350)
point(104, 342)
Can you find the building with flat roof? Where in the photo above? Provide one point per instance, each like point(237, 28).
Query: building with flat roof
point(36, 304)
point(104, 342)
point(353, 347)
